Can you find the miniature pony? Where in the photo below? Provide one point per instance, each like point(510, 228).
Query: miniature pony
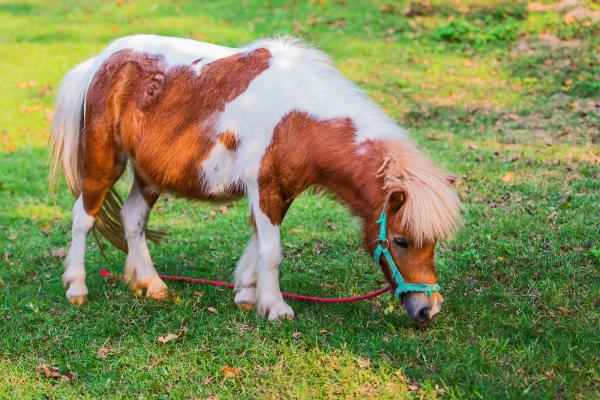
point(265, 121)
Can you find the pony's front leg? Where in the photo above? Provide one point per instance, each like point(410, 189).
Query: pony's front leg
point(269, 301)
point(139, 270)
point(245, 276)
point(74, 276)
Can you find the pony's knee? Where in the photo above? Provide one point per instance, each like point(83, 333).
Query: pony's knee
point(82, 221)
point(270, 253)
point(268, 237)
point(269, 246)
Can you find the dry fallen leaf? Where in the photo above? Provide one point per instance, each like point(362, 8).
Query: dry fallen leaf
point(54, 373)
point(46, 90)
point(27, 84)
point(229, 371)
point(552, 215)
point(413, 388)
point(224, 209)
point(563, 310)
point(68, 377)
point(212, 213)
point(508, 177)
point(212, 310)
point(296, 335)
point(155, 362)
point(103, 352)
point(169, 337)
point(48, 371)
point(569, 19)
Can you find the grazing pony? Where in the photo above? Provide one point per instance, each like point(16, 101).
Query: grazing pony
point(265, 121)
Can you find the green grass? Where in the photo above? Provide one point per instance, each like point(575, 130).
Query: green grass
point(483, 89)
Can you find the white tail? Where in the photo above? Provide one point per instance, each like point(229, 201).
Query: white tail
point(68, 120)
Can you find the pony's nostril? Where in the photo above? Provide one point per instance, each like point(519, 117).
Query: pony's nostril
point(423, 314)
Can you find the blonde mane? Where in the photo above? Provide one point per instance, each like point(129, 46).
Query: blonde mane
point(432, 209)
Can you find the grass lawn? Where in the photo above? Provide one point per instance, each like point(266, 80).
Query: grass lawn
point(504, 96)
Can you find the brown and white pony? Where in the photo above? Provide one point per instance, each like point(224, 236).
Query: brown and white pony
point(212, 123)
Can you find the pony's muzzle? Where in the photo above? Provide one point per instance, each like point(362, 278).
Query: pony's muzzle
point(421, 307)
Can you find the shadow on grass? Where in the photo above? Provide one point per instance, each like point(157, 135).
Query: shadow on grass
point(18, 9)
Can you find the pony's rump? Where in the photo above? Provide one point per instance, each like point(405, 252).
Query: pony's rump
point(66, 152)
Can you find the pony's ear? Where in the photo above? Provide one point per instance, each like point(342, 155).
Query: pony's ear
point(451, 178)
point(395, 200)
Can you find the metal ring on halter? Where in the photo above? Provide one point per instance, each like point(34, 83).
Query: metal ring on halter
point(386, 241)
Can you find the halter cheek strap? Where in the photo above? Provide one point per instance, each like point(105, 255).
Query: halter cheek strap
point(383, 245)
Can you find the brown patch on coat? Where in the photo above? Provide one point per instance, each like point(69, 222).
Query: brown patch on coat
point(305, 152)
point(163, 118)
point(229, 140)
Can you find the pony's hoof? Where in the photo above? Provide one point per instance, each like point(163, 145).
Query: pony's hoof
point(245, 298)
point(281, 311)
point(77, 300)
point(245, 306)
point(77, 294)
point(157, 289)
point(277, 310)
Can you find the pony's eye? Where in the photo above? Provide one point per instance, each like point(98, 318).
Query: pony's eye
point(401, 242)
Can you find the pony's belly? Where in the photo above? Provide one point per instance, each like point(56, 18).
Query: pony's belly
point(190, 185)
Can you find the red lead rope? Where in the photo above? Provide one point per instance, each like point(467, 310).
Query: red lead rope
point(315, 299)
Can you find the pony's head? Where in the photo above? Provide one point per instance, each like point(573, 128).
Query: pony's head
point(420, 208)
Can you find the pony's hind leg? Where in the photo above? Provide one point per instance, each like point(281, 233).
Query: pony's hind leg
point(97, 181)
point(74, 275)
point(245, 276)
point(139, 270)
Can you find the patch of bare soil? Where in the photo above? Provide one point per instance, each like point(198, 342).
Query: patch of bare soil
point(564, 120)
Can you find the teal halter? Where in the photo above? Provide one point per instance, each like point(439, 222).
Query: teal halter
point(383, 245)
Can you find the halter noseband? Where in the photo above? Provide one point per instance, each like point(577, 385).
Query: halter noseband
point(383, 245)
